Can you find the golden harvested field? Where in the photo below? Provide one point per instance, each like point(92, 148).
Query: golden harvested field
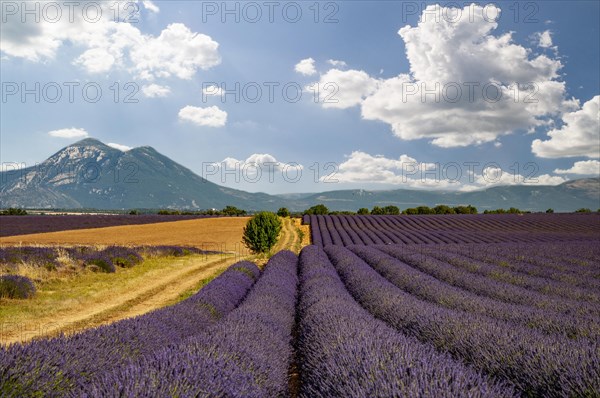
point(217, 234)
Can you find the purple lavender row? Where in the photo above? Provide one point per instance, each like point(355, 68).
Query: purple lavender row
point(536, 364)
point(578, 257)
point(512, 257)
point(501, 274)
point(488, 287)
point(33, 224)
point(431, 289)
point(315, 233)
point(588, 252)
point(347, 230)
point(345, 352)
point(247, 354)
point(58, 366)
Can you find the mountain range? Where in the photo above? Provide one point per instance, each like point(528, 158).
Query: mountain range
point(90, 174)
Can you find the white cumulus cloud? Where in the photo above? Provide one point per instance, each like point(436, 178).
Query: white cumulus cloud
point(108, 43)
point(337, 63)
point(306, 67)
point(544, 39)
point(579, 136)
point(69, 133)
point(258, 163)
point(467, 84)
point(211, 116)
point(344, 89)
point(405, 171)
point(213, 90)
point(150, 6)
point(122, 148)
point(156, 90)
point(584, 167)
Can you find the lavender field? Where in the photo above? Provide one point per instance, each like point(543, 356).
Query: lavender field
point(378, 306)
point(34, 224)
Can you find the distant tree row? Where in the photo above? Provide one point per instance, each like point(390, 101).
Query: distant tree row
point(11, 211)
point(512, 210)
point(394, 210)
point(230, 211)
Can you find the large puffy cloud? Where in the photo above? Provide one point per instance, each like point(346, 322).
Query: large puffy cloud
point(211, 116)
point(176, 51)
point(584, 167)
point(579, 135)
point(466, 85)
point(108, 42)
point(69, 133)
point(405, 171)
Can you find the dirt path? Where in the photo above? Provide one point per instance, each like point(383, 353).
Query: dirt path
point(286, 238)
point(125, 297)
point(156, 296)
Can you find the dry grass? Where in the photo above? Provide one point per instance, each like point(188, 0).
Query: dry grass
point(92, 299)
point(305, 229)
point(217, 234)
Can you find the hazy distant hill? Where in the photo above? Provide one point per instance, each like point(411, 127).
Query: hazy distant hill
point(90, 174)
point(568, 196)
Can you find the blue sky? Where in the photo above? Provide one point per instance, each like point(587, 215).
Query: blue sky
point(380, 134)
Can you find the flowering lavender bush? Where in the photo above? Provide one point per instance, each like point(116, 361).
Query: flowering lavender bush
point(488, 287)
point(175, 251)
point(345, 352)
point(40, 256)
point(16, 287)
point(429, 288)
point(536, 364)
point(247, 354)
point(64, 366)
point(451, 229)
point(105, 260)
point(122, 256)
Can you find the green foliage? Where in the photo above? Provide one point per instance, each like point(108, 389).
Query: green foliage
point(261, 232)
point(387, 210)
point(233, 211)
point(342, 212)
point(11, 211)
point(583, 210)
point(465, 209)
point(319, 209)
point(134, 212)
point(443, 209)
point(425, 210)
point(362, 211)
point(391, 210)
point(550, 211)
point(283, 212)
point(377, 211)
point(169, 212)
point(512, 210)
